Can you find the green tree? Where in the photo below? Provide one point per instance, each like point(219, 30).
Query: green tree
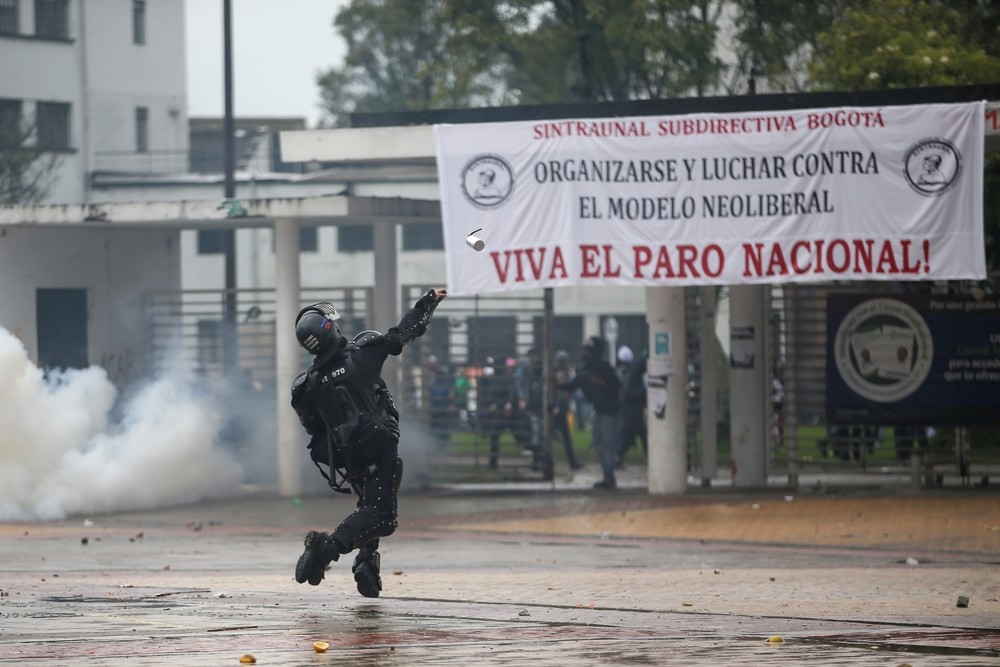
point(776, 39)
point(631, 49)
point(409, 55)
point(424, 54)
point(883, 44)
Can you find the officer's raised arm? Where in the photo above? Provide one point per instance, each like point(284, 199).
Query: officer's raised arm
point(414, 323)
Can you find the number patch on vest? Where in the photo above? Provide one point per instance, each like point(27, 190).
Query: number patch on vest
point(333, 374)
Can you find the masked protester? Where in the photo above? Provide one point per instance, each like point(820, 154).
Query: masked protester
point(343, 403)
point(602, 389)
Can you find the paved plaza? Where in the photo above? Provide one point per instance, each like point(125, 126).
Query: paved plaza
point(520, 576)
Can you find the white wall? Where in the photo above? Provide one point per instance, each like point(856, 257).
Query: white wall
point(116, 267)
point(121, 75)
point(104, 76)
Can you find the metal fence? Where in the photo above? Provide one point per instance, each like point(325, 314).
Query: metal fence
point(803, 440)
point(480, 347)
point(471, 382)
point(186, 330)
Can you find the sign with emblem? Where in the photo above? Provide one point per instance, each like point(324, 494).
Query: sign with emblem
point(913, 359)
point(809, 195)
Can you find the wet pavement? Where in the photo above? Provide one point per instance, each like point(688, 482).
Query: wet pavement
point(526, 576)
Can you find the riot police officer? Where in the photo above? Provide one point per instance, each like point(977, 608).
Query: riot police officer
point(343, 403)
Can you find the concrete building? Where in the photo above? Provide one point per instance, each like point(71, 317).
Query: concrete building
point(101, 84)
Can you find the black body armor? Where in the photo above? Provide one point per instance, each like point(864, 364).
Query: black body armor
point(343, 403)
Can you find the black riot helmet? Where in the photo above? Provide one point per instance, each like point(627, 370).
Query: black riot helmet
point(317, 331)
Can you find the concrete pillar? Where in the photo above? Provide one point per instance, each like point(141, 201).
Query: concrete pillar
point(709, 387)
point(749, 389)
point(667, 395)
point(386, 294)
point(287, 300)
point(790, 382)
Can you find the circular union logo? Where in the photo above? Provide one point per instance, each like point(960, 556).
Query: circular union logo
point(883, 350)
point(932, 166)
point(487, 181)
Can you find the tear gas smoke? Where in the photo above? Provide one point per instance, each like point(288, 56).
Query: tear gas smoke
point(62, 454)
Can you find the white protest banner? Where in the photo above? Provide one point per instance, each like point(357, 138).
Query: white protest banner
point(880, 193)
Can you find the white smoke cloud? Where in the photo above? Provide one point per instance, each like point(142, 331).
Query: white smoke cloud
point(61, 454)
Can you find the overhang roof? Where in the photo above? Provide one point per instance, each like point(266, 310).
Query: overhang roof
point(218, 214)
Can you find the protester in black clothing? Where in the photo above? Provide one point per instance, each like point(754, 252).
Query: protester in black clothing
point(601, 387)
point(499, 409)
point(632, 415)
point(344, 404)
point(561, 409)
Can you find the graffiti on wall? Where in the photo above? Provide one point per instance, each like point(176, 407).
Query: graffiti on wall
point(120, 366)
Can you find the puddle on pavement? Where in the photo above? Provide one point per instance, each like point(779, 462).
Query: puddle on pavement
point(154, 602)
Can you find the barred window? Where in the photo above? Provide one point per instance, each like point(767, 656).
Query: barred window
point(423, 237)
point(53, 125)
point(567, 333)
point(209, 342)
point(355, 238)
point(10, 122)
point(52, 19)
point(142, 129)
point(138, 21)
point(9, 17)
point(211, 241)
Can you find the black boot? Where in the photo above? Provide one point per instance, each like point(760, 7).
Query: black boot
point(320, 551)
point(366, 571)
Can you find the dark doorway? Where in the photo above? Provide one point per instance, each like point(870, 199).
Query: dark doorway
point(62, 328)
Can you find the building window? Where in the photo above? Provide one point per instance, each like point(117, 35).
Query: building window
point(52, 19)
point(10, 123)
point(9, 17)
point(142, 130)
point(567, 334)
point(355, 238)
point(211, 241)
point(308, 240)
point(423, 237)
point(138, 21)
point(53, 125)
